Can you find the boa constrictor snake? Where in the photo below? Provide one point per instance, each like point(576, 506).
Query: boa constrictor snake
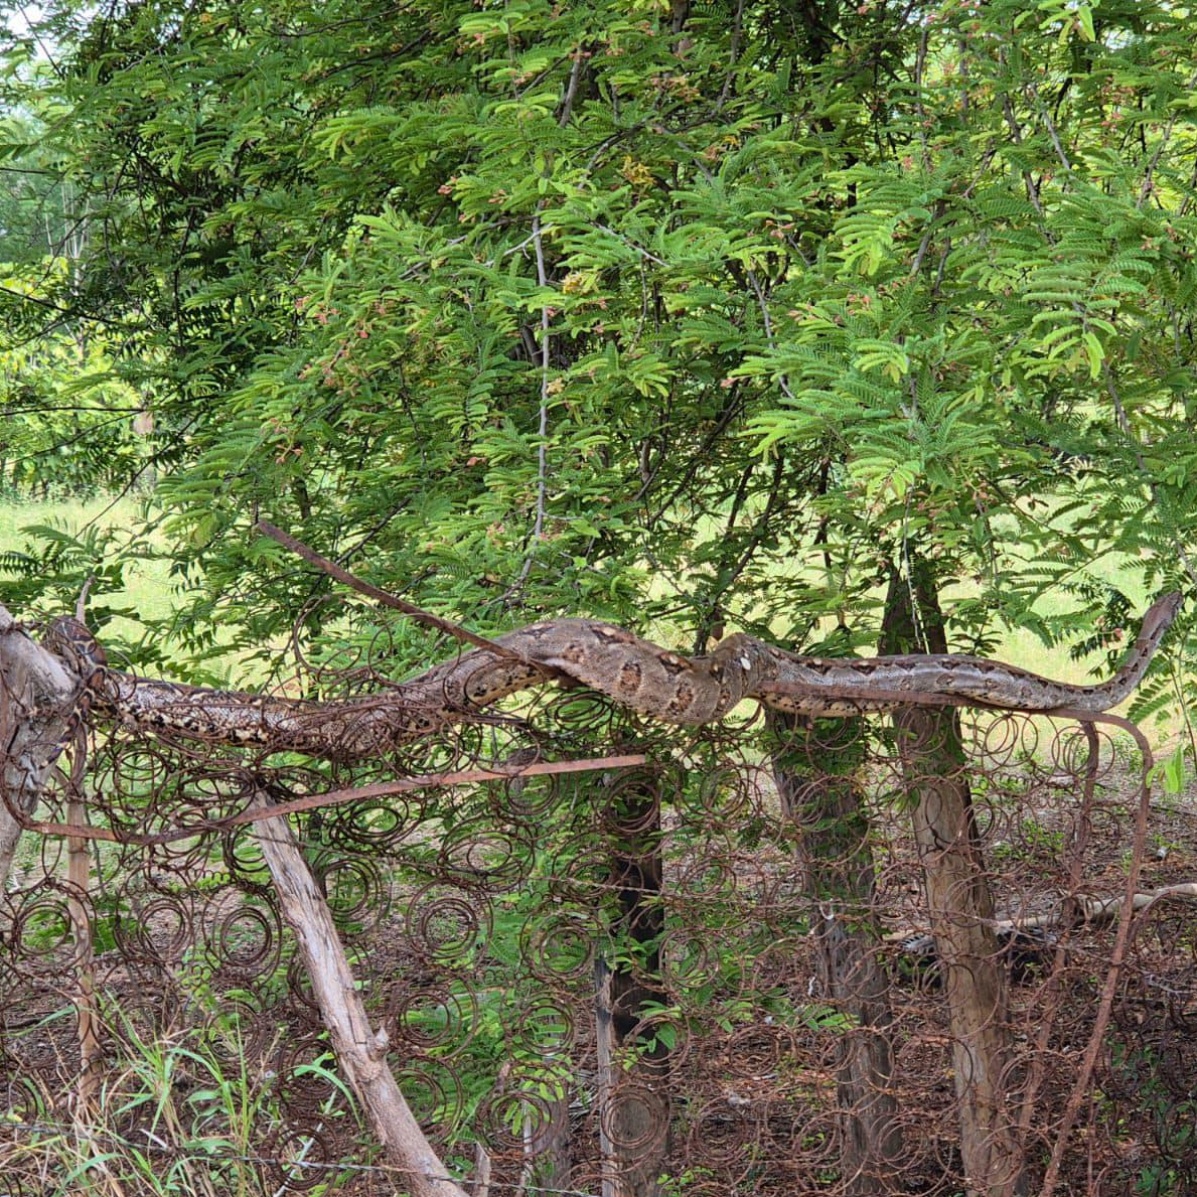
point(633, 672)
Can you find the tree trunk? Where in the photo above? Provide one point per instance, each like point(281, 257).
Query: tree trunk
point(959, 902)
point(633, 1106)
point(37, 698)
point(814, 765)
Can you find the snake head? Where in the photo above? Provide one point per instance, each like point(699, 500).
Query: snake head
point(70, 639)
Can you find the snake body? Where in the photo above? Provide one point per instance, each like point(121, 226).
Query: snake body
point(631, 671)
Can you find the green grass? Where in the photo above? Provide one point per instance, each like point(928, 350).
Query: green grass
point(148, 585)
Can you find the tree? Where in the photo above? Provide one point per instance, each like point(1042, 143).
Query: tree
point(685, 316)
point(695, 277)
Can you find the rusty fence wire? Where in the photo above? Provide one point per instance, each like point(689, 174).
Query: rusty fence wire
point(620, 980)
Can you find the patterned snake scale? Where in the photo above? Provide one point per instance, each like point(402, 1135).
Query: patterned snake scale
point(631, 671)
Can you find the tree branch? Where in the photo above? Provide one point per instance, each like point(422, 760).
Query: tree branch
point(632, 672)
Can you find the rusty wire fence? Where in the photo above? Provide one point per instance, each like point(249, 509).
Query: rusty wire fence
point(605, 978)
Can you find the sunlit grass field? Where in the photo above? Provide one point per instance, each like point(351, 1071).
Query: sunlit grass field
point(149, 587)
point(150, 591)
point(156, 595)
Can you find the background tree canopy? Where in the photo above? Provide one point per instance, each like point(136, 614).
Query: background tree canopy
point(704, 313)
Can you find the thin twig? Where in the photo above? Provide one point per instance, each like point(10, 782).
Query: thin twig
point(542, 456)
point(388, 600)
point(81, 602)
point(1148, 184)
point(571, 87)
point(763, 303)
point(733, 53)
point(1050, 126)
point(644, 253)
point(542, 279)
point(1016, 137)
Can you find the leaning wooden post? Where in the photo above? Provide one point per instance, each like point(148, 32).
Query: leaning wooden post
point(360, 1051)
point(91, 1053)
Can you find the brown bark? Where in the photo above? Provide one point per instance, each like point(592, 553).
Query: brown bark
point(37, 698)
point(633, 1114)
point(959, 902)
point(360, 1051)
point(813, 768)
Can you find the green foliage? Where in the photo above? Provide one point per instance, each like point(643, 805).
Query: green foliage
point(544, 309)
point(688, 316)
point(1167, 1165)
point(68, 422)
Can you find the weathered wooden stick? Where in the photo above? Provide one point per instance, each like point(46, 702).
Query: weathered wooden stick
point(91, 1054)
point(1091, 910)
point(360, 1051)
